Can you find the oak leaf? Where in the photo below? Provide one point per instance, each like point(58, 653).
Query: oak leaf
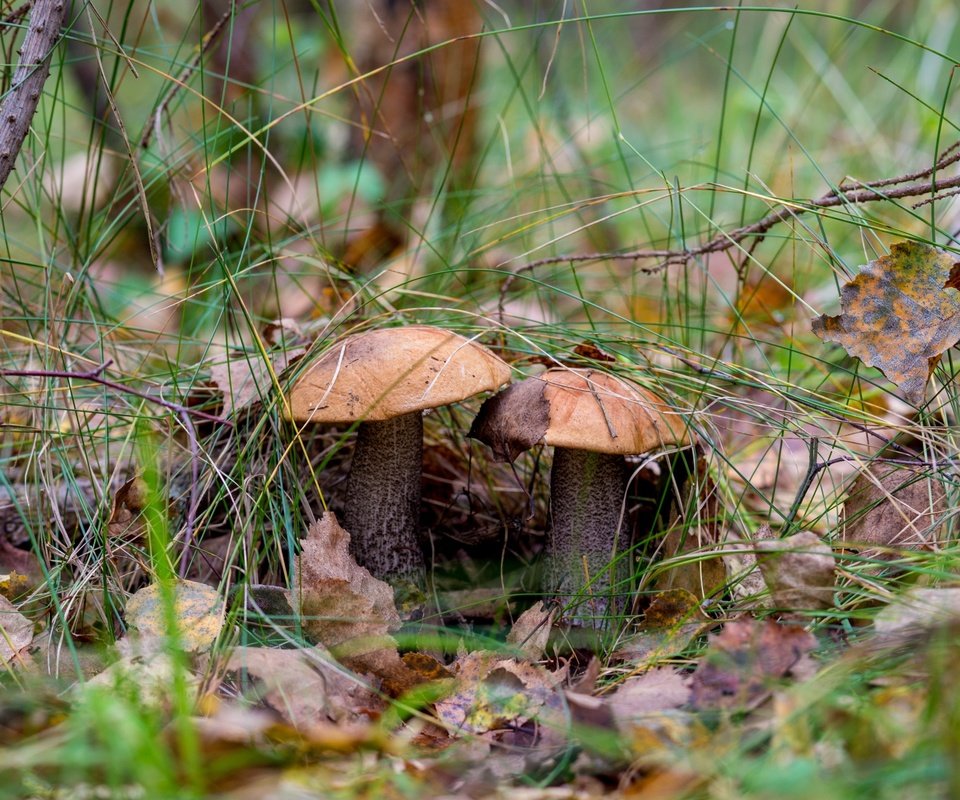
point(900, 314)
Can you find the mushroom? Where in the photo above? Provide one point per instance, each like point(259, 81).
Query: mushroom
point(383, 380)
point(592, 419)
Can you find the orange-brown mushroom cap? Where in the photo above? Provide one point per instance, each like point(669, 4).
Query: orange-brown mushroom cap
point(579, 409)
point(382, 374)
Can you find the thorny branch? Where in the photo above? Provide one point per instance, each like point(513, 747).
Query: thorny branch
point(912, 184)
point(20, 103)
point(95, 375)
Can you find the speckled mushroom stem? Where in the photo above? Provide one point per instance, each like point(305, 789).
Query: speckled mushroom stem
point(383, 499)
point(586, 496)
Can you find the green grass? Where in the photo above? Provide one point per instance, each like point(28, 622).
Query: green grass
point(608, 131)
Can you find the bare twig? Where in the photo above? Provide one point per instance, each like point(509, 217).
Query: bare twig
point(94, 375)
point(209, 39)
point(17, 14)
point(846, 193)
point(20, 103)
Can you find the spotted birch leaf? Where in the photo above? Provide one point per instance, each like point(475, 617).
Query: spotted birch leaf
point(900, 314)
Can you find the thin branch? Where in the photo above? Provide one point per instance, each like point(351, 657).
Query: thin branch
point(17, 14)
point(846, 193)
point(95, 374)
point(20, 103)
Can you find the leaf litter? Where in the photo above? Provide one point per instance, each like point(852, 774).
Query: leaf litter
point(495, 715)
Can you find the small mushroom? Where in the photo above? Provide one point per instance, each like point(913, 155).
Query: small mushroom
point(384, 379)
point(592, 419)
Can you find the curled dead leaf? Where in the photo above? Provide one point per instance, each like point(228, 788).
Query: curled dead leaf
point(890, 506)
point(799, 571)
point(247, 380)
point(16, 633)
point(531, 632)
point(343, 607)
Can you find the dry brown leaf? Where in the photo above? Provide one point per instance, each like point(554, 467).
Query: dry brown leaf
point(16, 633)
point(799, 571)
point(698, 569)
point(672, 620)
point(126, 524)
point(744, 579)
point(22, 564)
point(492, 692)
point(531, 631)
point(303, 686)
point(345, 608)
point(900, 313)
point(917, 609)
point(747, 660)
point(197, 607)
point(660, 689)
point(246, 380)
point(890, 506)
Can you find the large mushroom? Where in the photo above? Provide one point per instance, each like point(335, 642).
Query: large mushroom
point(592, 420)
point(383, 380)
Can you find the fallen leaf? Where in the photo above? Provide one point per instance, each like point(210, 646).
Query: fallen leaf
point(343, 607)
point(234, 723)
point(531, 632)
point(890, 506)
point(659, 689)
point(918, 609)
point(198, 610)
point(672, 620)
point(303, 686)
point(16, 633)
point(131, 498)
point(899, 314)
point(145, 677)
point(13, 585)
point(492, 691)
point(125, 524)
point(246, 380)
point(745, 583)
point(799, 571)
point(747, 660)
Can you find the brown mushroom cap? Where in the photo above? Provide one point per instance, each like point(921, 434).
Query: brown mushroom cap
point(596, 411)
point(382, 374)
point(579, 409)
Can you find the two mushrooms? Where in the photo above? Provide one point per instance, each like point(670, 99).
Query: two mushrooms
point(384, 379)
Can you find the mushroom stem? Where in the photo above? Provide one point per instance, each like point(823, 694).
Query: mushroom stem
point(586, 497)
point(383, 499)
